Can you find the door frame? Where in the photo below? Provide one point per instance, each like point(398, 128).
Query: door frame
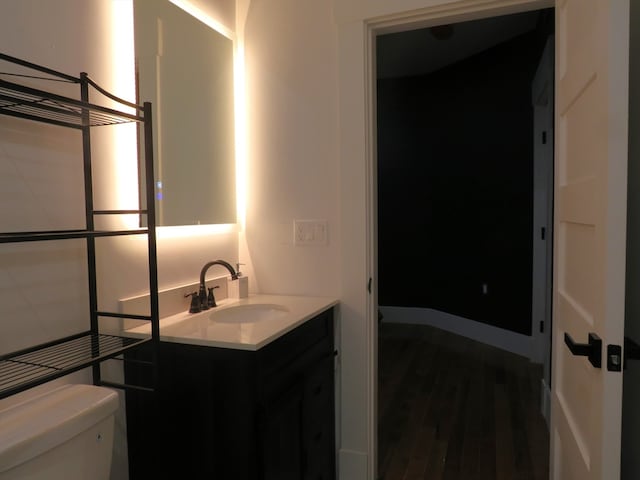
point(410, 20)
point(543, 100)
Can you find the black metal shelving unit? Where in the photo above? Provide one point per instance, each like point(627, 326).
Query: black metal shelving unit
point(38, 364)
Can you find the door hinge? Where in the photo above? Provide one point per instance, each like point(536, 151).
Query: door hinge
point(369, 284)
point(541, 326)
point(543, 232)
point(544, 137)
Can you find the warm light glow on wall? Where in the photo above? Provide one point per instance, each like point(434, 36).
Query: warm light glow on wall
point(241, 134)
point(125, 140)
point(195, 230)
point(203, 17)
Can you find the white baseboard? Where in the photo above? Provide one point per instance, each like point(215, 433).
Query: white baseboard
point(481, 332)
point(352, 465)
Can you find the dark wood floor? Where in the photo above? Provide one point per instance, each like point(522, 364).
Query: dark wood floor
point(452, 408)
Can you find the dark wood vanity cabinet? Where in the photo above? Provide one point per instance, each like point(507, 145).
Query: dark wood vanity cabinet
point(223, 413)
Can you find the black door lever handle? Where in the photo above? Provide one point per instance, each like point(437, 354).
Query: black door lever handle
point(593, 349)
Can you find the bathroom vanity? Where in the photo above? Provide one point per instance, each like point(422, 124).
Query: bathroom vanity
point(235, 399)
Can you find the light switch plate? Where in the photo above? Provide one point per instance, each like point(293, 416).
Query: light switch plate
point(310, 232)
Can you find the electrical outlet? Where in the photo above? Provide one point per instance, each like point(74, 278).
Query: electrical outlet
point(309, 232)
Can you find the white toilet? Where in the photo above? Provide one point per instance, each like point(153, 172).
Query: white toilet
point(65, 434)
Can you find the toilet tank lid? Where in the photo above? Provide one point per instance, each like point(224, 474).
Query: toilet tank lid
point(30, 428)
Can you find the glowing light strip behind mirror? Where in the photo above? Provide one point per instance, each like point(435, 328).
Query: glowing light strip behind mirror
point(241, 135)
point(125, 141)
point(239, 103)
point(196, 230)
point(203, 17)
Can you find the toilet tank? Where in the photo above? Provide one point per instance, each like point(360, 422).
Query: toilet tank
point(65, 434)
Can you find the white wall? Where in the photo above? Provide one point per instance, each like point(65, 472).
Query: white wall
point(291, 75)
point(41, 175)
point(43, 286)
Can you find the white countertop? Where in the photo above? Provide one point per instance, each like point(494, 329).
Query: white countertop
point(199, 329)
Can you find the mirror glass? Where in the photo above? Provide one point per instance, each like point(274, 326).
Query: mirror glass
point(185, 68)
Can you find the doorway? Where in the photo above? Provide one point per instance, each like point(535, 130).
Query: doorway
point(584, 56)
point(461, 212)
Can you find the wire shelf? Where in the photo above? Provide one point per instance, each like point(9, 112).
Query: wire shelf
point(33, 104)
point(18, 237)
point(41, 364)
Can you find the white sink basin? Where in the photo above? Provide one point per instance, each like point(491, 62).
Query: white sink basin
point(244, 324)
point(253, 313)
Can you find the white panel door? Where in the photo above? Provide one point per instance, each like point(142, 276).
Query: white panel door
point(590, 227)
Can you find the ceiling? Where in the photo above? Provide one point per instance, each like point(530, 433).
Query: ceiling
point(419, 52)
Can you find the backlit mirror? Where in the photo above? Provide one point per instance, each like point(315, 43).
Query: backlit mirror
point(185, 68)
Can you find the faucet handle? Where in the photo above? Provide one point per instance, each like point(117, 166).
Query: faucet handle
point(195, 302)
point(211, 300)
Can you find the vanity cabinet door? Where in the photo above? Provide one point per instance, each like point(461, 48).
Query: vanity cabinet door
point(281, 436)
point(297, 434)
point(170, 431)
point(318, 421)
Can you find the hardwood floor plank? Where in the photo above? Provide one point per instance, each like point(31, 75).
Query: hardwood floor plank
point(504, 436)
point(415, 400)
point(469, 465)
point(423, 448)
point(487, 446)
point(451, 408)
point(396, 357)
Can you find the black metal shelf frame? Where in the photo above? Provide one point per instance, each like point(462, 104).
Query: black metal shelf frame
point(38, 364)
point(32, 104)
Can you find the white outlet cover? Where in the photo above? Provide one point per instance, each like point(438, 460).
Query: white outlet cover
point(310, 232)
